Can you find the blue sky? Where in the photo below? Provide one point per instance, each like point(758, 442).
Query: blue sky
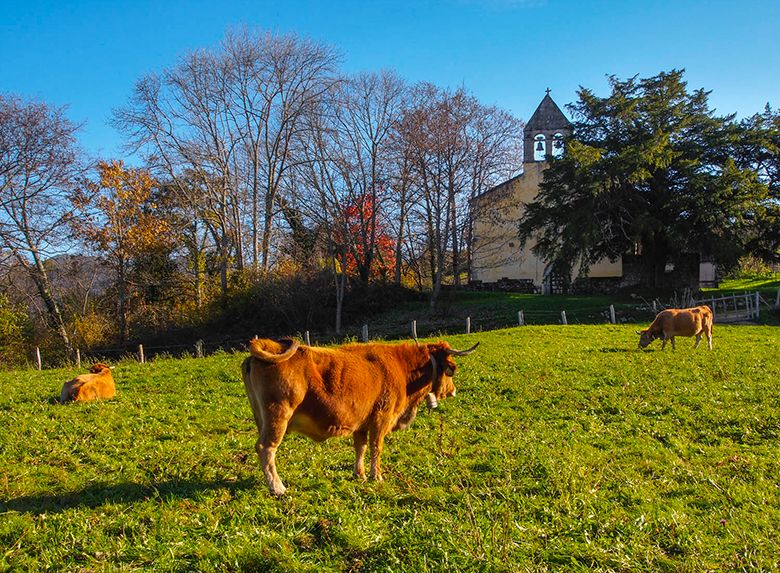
point(88, 54)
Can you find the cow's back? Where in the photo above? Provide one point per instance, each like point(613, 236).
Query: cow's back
point(346, 386)
point(87, 387)
point(683, 321)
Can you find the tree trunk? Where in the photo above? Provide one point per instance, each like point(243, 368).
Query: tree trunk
point(455, 242)
point(399, 246)
point(223, 265)
point(41, 280)
point(122, 303)
point(266, 241)
point(341, 283)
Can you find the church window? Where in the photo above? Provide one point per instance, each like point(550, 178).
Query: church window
point(557, 145)
point(540, 148)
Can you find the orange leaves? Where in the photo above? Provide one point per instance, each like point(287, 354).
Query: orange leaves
point(120, 217)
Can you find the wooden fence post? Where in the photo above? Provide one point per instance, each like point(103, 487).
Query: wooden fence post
point(365, 333)
point(520, 318)
point(777, 299)
point(141, 353)
point(612, 313)
point(306, 338)
point(199, 349)
point(38, 357)
point(563, 317)
point(78, 358)
point(414, 329)
point(468, 325)
point(758, 305)
point(654, 308)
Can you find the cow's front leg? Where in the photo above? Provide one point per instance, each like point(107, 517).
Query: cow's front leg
point(360, 440)
point(671, 339)
point(275, 422)
point(663, 342)
point(377, 440)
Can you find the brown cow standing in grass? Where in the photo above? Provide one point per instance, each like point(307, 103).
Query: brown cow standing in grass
point(679, 322)
point(99, 383)
point(362, 390)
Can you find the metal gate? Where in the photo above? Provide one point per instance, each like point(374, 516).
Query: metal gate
point(733, 308)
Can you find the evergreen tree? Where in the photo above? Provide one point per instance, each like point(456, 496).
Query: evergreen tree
point(759, 149)
point(650, 169)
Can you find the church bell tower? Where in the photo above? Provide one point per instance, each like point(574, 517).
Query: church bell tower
point(545, 131)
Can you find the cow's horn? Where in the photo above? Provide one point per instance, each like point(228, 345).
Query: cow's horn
point(453, 352)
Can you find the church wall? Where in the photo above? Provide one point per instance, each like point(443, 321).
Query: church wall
point(496, 250)
point(496, 253)
point(606, 269)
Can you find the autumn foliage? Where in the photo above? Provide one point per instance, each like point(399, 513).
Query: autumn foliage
point(369, 248)
point(119, 220)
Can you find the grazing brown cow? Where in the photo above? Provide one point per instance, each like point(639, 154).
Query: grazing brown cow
point(679, 322)
point(362, 390)
point(99, 383)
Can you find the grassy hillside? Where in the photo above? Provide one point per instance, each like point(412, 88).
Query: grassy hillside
point(565, 449)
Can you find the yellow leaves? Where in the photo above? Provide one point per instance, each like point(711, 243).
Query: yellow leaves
point(122, 223)
point(148, 234)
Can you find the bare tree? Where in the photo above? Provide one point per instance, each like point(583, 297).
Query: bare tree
point(39, 168)
point(457, 148)
point(180, 123)
point(274, 81)
point(366, 110)
point(324, 186)
point(347, 163)
point(230, 119)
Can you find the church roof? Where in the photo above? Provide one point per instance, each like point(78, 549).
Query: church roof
point(547, 117)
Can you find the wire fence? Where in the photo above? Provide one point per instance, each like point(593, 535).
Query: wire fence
point(428, 325)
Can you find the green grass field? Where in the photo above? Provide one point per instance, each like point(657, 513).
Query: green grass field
point(566, 449)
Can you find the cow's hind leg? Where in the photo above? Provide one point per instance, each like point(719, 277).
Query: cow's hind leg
point(377, 440)
point(698, 340)
point(275, 420)
point(360, 440)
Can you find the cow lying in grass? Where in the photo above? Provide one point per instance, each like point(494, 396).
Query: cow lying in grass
point(362, 390)
point(679, 322)
point(99, 383)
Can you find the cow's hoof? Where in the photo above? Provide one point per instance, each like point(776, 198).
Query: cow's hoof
point(278, 490)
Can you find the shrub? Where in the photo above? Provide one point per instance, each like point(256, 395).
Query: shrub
point(751, 267)
point(13, 333)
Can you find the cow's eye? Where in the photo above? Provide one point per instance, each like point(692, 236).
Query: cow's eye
point(449, 371)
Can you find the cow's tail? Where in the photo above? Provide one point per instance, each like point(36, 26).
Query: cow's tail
point(271, 351)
